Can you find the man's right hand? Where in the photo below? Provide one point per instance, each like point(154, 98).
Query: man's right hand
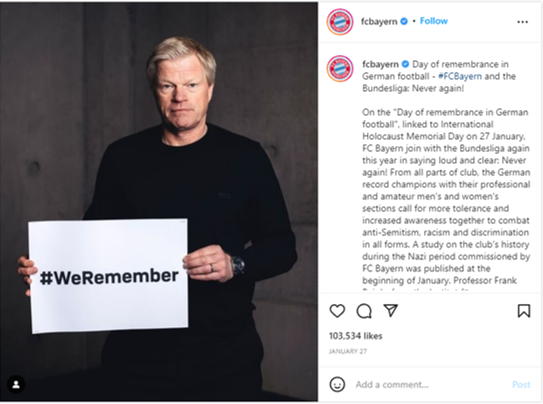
point(26, 268)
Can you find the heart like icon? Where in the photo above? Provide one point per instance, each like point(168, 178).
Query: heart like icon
point(337, 310)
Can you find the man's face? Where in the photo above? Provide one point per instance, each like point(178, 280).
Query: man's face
point(182, 93)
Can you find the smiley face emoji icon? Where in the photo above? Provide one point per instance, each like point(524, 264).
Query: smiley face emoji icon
point(337, 384)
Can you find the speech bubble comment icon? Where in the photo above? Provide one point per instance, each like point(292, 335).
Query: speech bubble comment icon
point(364, 311)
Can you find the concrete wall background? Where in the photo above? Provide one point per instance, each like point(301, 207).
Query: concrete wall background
point(72, 80)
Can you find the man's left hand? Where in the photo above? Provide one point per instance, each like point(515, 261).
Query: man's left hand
point(209, 263)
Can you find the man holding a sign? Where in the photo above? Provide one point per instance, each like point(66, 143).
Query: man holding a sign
point(238, 233)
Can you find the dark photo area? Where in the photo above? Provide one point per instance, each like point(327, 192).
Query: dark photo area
point(72, 81)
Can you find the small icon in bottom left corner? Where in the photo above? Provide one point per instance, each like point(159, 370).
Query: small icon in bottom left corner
point(337, 384)
point(16, 384)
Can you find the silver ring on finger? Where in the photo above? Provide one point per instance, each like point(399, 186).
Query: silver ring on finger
point(212, 269)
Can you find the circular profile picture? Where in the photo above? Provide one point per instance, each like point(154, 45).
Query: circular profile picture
point(340, 68)
point(340, 21)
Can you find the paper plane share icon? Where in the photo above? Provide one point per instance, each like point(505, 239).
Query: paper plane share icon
point(391, 308)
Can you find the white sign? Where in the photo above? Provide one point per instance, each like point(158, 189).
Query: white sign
point(108, 275)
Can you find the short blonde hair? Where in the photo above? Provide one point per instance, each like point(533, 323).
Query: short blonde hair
point(179, 47)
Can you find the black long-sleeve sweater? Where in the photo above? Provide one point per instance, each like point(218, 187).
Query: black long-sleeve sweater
point(225, 186)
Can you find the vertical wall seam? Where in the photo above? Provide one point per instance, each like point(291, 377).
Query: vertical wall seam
point(206, 25)
point(132, 85)
point(85, 112)
point(102, 78)
point(85, 143)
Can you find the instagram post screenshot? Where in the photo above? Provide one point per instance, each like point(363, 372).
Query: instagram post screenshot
point(159, 201)
point(333, 201)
